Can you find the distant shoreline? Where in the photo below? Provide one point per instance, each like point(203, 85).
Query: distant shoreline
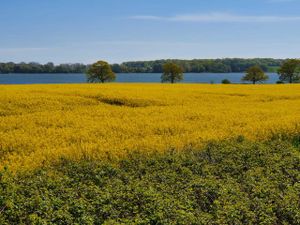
point(226, 65)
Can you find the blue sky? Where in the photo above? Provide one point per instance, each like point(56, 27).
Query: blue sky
point(64, 31)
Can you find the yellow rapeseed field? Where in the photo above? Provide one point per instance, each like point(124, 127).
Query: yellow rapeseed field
point(39, 124)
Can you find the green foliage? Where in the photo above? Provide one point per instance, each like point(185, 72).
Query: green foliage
point(226, 81)
point(273, 69)
point(189, 66)
point(172, 73)
point(229, 182)
point(202, 65)
point(290, 71)
point(255, 74)
point(39, 68)
point(100, 72)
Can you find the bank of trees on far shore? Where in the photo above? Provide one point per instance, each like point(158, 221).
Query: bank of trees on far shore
point(41, 68)
point(189, 66)
point(172, 70)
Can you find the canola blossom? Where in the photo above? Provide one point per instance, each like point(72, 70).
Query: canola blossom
point(40, 124)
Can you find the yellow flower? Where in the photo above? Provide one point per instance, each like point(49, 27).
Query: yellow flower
point(39, 124)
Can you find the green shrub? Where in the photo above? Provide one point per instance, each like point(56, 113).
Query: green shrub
point(226, 81)
point(229, 182)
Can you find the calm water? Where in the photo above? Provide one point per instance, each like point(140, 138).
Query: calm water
point(124, 78)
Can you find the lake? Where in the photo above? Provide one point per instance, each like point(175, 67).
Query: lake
point(124, 78)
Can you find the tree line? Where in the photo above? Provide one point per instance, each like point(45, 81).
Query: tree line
point(189, 66)
point(172, 70)
point(289, 72)
point(228, 65)
point(34, 67)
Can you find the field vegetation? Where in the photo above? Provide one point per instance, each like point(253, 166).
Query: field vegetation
point(149, 154)
point(40, 124)
point(229, 182)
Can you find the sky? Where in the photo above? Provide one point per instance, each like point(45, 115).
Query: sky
point(69, 31)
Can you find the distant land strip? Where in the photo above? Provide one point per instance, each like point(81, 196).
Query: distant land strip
point(226, 65)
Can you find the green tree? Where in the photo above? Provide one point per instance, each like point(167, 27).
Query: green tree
point(255, 74)
point(100, 72)
point(226, 81)
point(290, 70)
point(116, 68)
point(172, 73)
point(49, 67)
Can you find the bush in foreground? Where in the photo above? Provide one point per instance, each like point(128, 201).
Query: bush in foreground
point(230, 182)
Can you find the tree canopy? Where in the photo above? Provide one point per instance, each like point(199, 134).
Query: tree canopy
point(230, 65)
point(290, 71)
point(227, 65)
point(100, 72)
point(34, 67)
point(255, 74)
point(172, 73)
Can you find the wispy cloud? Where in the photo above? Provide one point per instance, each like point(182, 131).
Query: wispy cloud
point(219, 18)
point(147, 17)
point(281, 1)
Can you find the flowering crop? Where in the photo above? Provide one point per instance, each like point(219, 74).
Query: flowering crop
point(39, 124)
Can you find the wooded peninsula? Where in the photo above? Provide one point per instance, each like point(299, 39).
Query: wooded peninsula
point(227, 65)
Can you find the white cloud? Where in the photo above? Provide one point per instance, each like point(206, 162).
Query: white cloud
point(146, 17)
point(220, 18)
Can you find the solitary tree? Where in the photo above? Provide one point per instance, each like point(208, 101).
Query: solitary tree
point(100, 72)
point(289, 71)
point(172, 73)
point(255, 74)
